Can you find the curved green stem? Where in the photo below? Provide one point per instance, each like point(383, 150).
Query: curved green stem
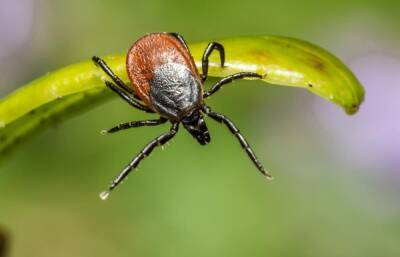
point(282, 61)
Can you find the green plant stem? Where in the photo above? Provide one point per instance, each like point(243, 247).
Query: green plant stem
point(282, 61)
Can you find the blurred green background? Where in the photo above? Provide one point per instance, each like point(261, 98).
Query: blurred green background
point(337, 178)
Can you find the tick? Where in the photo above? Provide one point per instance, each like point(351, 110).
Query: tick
point(165, 81)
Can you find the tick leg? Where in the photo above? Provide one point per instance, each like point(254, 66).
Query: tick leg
point(204, 61)
point(128, 98)
point(103, 65)
point(234, 130)
point(158, 141)
point(179, 37)
point(135, 124)
point(230, 79)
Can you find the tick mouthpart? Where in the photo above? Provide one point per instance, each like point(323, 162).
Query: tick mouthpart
point(204, 139)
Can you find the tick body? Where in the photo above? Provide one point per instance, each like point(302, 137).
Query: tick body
point(165, 81)
point(164, 75)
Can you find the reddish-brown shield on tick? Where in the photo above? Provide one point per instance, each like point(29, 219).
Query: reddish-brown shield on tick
point(165, 81)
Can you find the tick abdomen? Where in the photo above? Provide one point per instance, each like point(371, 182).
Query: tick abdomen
point(174, 91)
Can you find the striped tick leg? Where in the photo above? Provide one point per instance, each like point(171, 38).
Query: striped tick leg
point(146, 151)
point(234, 130)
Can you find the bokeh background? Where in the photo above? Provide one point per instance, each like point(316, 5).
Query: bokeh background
point(337, 178)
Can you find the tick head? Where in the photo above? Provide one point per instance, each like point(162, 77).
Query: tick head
point(195, 124)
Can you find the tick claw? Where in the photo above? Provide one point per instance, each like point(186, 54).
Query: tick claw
point(268, 177)
point(104, 195)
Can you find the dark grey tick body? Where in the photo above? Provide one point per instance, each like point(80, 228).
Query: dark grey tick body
point(175, 91)
point(166, 81)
